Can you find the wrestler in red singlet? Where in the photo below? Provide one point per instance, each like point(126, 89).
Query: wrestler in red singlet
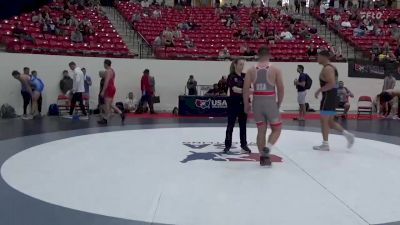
point(110, 89)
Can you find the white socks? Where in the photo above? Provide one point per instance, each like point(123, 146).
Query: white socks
point(269, 145)
point(325, 143)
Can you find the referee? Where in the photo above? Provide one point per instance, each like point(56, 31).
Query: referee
point(236, 106)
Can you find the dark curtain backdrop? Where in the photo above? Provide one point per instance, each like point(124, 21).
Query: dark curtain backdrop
point(9, 8)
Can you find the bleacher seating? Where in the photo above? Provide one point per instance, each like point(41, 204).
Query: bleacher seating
point(106, 42)
point(212, 35)
point(365, 42)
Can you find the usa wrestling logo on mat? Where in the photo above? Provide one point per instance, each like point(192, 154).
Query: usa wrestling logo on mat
point(212, 151)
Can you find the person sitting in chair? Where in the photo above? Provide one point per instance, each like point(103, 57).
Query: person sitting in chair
point(343, 98)
point(387, 96)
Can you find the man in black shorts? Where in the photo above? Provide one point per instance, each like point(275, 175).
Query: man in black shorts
point(328, 81)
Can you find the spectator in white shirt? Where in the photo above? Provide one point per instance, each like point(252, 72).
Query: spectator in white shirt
point(78, 88)
point(130, 103)
point(286, 35)
point(336, 18)
point(145, 4)
point(157, 13)
point(177, 33)
point(322, 10)
point(224, 53)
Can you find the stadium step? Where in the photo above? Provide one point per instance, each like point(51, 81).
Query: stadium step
point(348, 51)
point(134, 42)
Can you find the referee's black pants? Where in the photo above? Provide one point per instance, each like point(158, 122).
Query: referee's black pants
point(236, 110)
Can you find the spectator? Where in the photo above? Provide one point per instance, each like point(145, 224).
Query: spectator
point(370, 27)
point(304, 34)
point(375, 51)
point(286, 35)
point(214, 91)
point(188, 42)
point(157, 13)
point(224, 53)
point(37, 18)
point(135, 18)
point(154, 3)
point(303, 6)
point(177, 33)
point(66, 83)
point(377, 31)
point(386, 56)
point(88, 81)
point(336, 52)
point(336, 18)
point(162, 4)
point(322, 10)
point(66, 18)
point(256, 34)
point(343, 98)
point(158, 41)
point(359, 31)
point(346, 24)
point(311, 50)
point(395, 32)
point(191, 85)
point(168, 38)
point(292, 29)
point(147, 85)
point(223, 85)
point(192, 25)
point(76, 36)
point(50, 27)
point(249, 52)
point(218, 11)
point(297, 5)
point(386, 47)
point(271, 36)
point(145, 4)
point(86, 22)
point(397, 51)
point(130, 104)
point(21, 34)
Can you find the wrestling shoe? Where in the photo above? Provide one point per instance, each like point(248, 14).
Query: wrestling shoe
point(102, 122)
point(265, 160)
point(323, 147)
point(245, 150)
point(123, 117)
point(350, 139)
point(226, 150)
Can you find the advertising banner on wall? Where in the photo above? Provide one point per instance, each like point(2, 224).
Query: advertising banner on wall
point(215, 106)
point(368, 69)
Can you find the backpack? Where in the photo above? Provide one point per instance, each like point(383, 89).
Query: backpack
point(308, 82)
point(53, 110)
point(7, 112)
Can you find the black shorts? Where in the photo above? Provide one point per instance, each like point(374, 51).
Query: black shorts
point(101, 100)
point(329, 103)
point(341, 105)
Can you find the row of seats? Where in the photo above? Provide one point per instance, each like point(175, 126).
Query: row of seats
point(210, 37)
point(105, 42)
point(364, 43)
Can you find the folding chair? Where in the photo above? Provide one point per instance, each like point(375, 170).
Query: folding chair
point(364, 106)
